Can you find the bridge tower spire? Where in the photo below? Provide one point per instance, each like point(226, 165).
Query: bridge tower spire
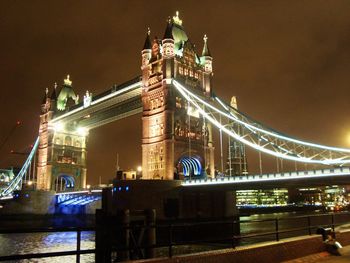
point(237, 163)
point(176, 142)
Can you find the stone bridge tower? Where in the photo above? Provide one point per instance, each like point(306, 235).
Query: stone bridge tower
point(61, 162)
point(176, 141)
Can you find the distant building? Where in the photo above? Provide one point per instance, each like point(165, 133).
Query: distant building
point(127, 175)
point(273, 197)
point(6, 175)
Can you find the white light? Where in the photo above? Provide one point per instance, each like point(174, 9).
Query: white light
point(257, 128)
point(88, 186)
point(18, 179)
point(6, 197)
point(276, 134)
point(57, 127)
point(29, 183)
point(193, 112)
point(184, 92)
point(139, 168)
point(133, 86)
point(70, 193)
point(82, 131)
point(270, 177)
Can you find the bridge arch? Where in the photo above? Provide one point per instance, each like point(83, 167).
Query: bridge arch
point(64, 182)
point(189, 167)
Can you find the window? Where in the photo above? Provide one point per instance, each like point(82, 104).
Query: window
point(77, 143)
point(178, 102)
point(68, 141)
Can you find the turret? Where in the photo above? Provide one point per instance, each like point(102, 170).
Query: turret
point(207, 59)
point(53, 97)
point(45, 103)
point(147, 50)
point(66, 95)
point(207, 63)
point(168, 42)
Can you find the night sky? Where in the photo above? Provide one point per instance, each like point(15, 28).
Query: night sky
point(288, 62)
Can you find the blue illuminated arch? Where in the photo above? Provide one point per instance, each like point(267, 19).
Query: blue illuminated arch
point(191, 166)
point(67, 181)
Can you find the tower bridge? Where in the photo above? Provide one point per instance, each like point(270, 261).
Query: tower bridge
point(179, 110)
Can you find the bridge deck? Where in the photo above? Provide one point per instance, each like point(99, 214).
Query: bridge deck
point(289, 179)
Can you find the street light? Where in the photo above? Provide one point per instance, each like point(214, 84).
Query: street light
point(139, 172)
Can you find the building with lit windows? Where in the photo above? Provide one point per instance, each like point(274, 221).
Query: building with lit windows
point(274, 197)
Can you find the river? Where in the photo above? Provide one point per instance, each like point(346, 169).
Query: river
point(53, 242)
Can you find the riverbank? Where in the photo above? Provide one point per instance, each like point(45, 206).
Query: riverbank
point(251, 210)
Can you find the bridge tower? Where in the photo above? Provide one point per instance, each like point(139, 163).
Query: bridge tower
point(176, 141)
point(61, 162)
point(237, 164)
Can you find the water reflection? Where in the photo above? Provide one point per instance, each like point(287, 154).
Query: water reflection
point(64, 241)
point(46, 242)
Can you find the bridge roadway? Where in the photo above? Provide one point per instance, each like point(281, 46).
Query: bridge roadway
point(299, 179)
point(311, 178)
point(119, 102)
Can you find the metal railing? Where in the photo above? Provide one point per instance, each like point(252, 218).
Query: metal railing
point(169, 230)
point(170, 235)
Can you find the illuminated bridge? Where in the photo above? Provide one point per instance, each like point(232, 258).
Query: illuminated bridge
point(309, 178)
point(180, 111)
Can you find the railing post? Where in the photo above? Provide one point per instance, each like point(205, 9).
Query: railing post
point(170, 241)
point(333, 227)
point(276, 227)
point(309, 224)
point(151, 238)
point(233, 235)
point(123, 234)
point(78, 245)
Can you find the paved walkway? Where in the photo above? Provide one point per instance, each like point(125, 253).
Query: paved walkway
point(325, 257)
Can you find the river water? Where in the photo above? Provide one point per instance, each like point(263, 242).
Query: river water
point(53, 242)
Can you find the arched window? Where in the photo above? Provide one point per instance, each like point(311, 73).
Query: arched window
point(77, 143)
point(57, 141)
point(68, 141)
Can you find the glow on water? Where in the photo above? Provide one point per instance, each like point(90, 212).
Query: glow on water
point(47, 242)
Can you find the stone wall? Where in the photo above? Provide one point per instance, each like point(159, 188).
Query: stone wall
point(268, 252)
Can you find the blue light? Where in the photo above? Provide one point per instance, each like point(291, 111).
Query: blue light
point(26, 195)
point(120, 188)
point(16, 195)
point(114, 189)
point(127, 188)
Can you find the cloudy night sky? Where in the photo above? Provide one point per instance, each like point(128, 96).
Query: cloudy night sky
point(288, 63)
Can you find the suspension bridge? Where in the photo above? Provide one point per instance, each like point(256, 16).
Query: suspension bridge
point(179, 111)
